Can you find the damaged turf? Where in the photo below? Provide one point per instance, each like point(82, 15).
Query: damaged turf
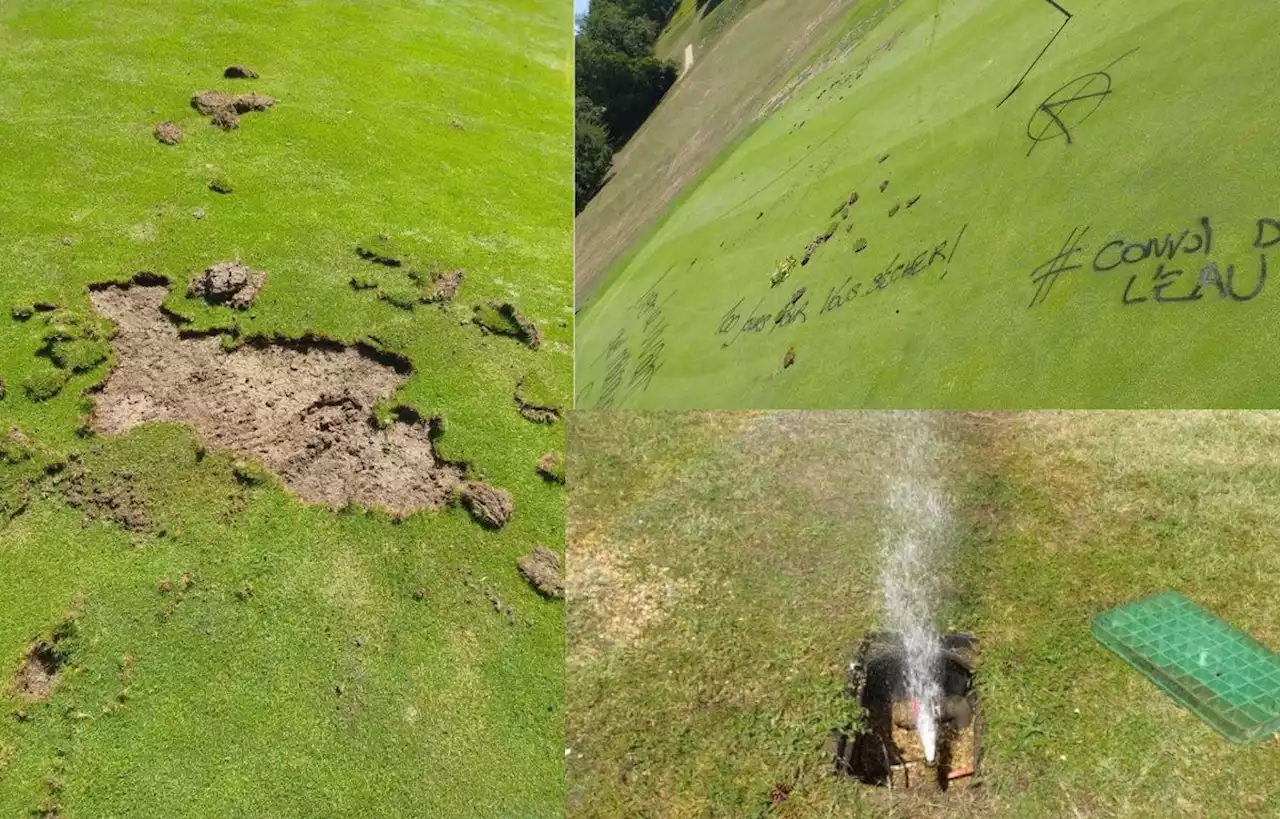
point(304, 409)
point(542, 569)
point(502, 318)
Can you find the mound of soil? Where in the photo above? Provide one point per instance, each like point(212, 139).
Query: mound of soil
point(240, 72)
point(304, 409)
point(39, 672)
point(541, 568)
point(231, 283)
point(169, 133)
point(491, 506)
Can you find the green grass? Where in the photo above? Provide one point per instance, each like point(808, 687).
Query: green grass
point(446, 128)
point(922, 86)
point(715, 604)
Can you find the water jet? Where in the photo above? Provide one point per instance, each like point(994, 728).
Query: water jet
point(888, 748)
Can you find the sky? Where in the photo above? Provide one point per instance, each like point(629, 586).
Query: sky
point(580, 7)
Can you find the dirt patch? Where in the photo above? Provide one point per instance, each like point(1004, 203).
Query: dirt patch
point(541, 568)
point(39, 672)
point(116, 499)
point(240, 72)
point(303, 408)
point(490, 506)
point(44, 662)
point(169, 133)
point(551, 467)
point(446, 287)
point(232, 283)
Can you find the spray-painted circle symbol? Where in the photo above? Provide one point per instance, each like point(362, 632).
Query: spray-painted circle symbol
point(1068, 107)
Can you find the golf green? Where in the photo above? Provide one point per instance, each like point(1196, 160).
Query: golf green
point(1011, 204)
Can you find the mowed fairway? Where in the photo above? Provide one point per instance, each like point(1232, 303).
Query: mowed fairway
point(224, 648)
point(723, 568)
point(1102, 237)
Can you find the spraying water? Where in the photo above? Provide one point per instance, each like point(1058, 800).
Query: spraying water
point(914, 535)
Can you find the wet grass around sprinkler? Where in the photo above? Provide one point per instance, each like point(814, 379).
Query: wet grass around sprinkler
point(1044, 249)
point(717, 600)
point(238, 651)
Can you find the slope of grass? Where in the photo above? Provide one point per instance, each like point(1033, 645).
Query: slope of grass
point(753, 571)
point(1179, 135)
point(447, 128)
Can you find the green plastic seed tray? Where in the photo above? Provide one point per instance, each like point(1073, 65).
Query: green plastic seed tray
point(1219, 673)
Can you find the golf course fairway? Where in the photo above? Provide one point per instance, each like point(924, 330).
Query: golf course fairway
point(1002, 204)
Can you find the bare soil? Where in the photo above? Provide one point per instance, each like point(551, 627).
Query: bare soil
point(39, 672)
point(304, 409)
point(541, 568)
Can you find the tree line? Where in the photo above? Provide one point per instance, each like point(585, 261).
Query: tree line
point(618, 82)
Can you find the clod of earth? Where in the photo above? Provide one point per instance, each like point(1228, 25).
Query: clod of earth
point(240, 72)
point(883, 157)
point(223, 107)
point(490, 506)
point(541, 568)
point(796, 296)
point(789, 358)
point(419, 593)
point(226, 119)
point(551, 467)
point(893, 210)
point(232, 283)
point(534, 409)
point(913, 200)
point(169, 133)
point(302, 408)
point(198, 213)
point(382, 250)
point(220, 184)
point(884, 185)
point(45, 384)
point(853, 198)
point(502, 318)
